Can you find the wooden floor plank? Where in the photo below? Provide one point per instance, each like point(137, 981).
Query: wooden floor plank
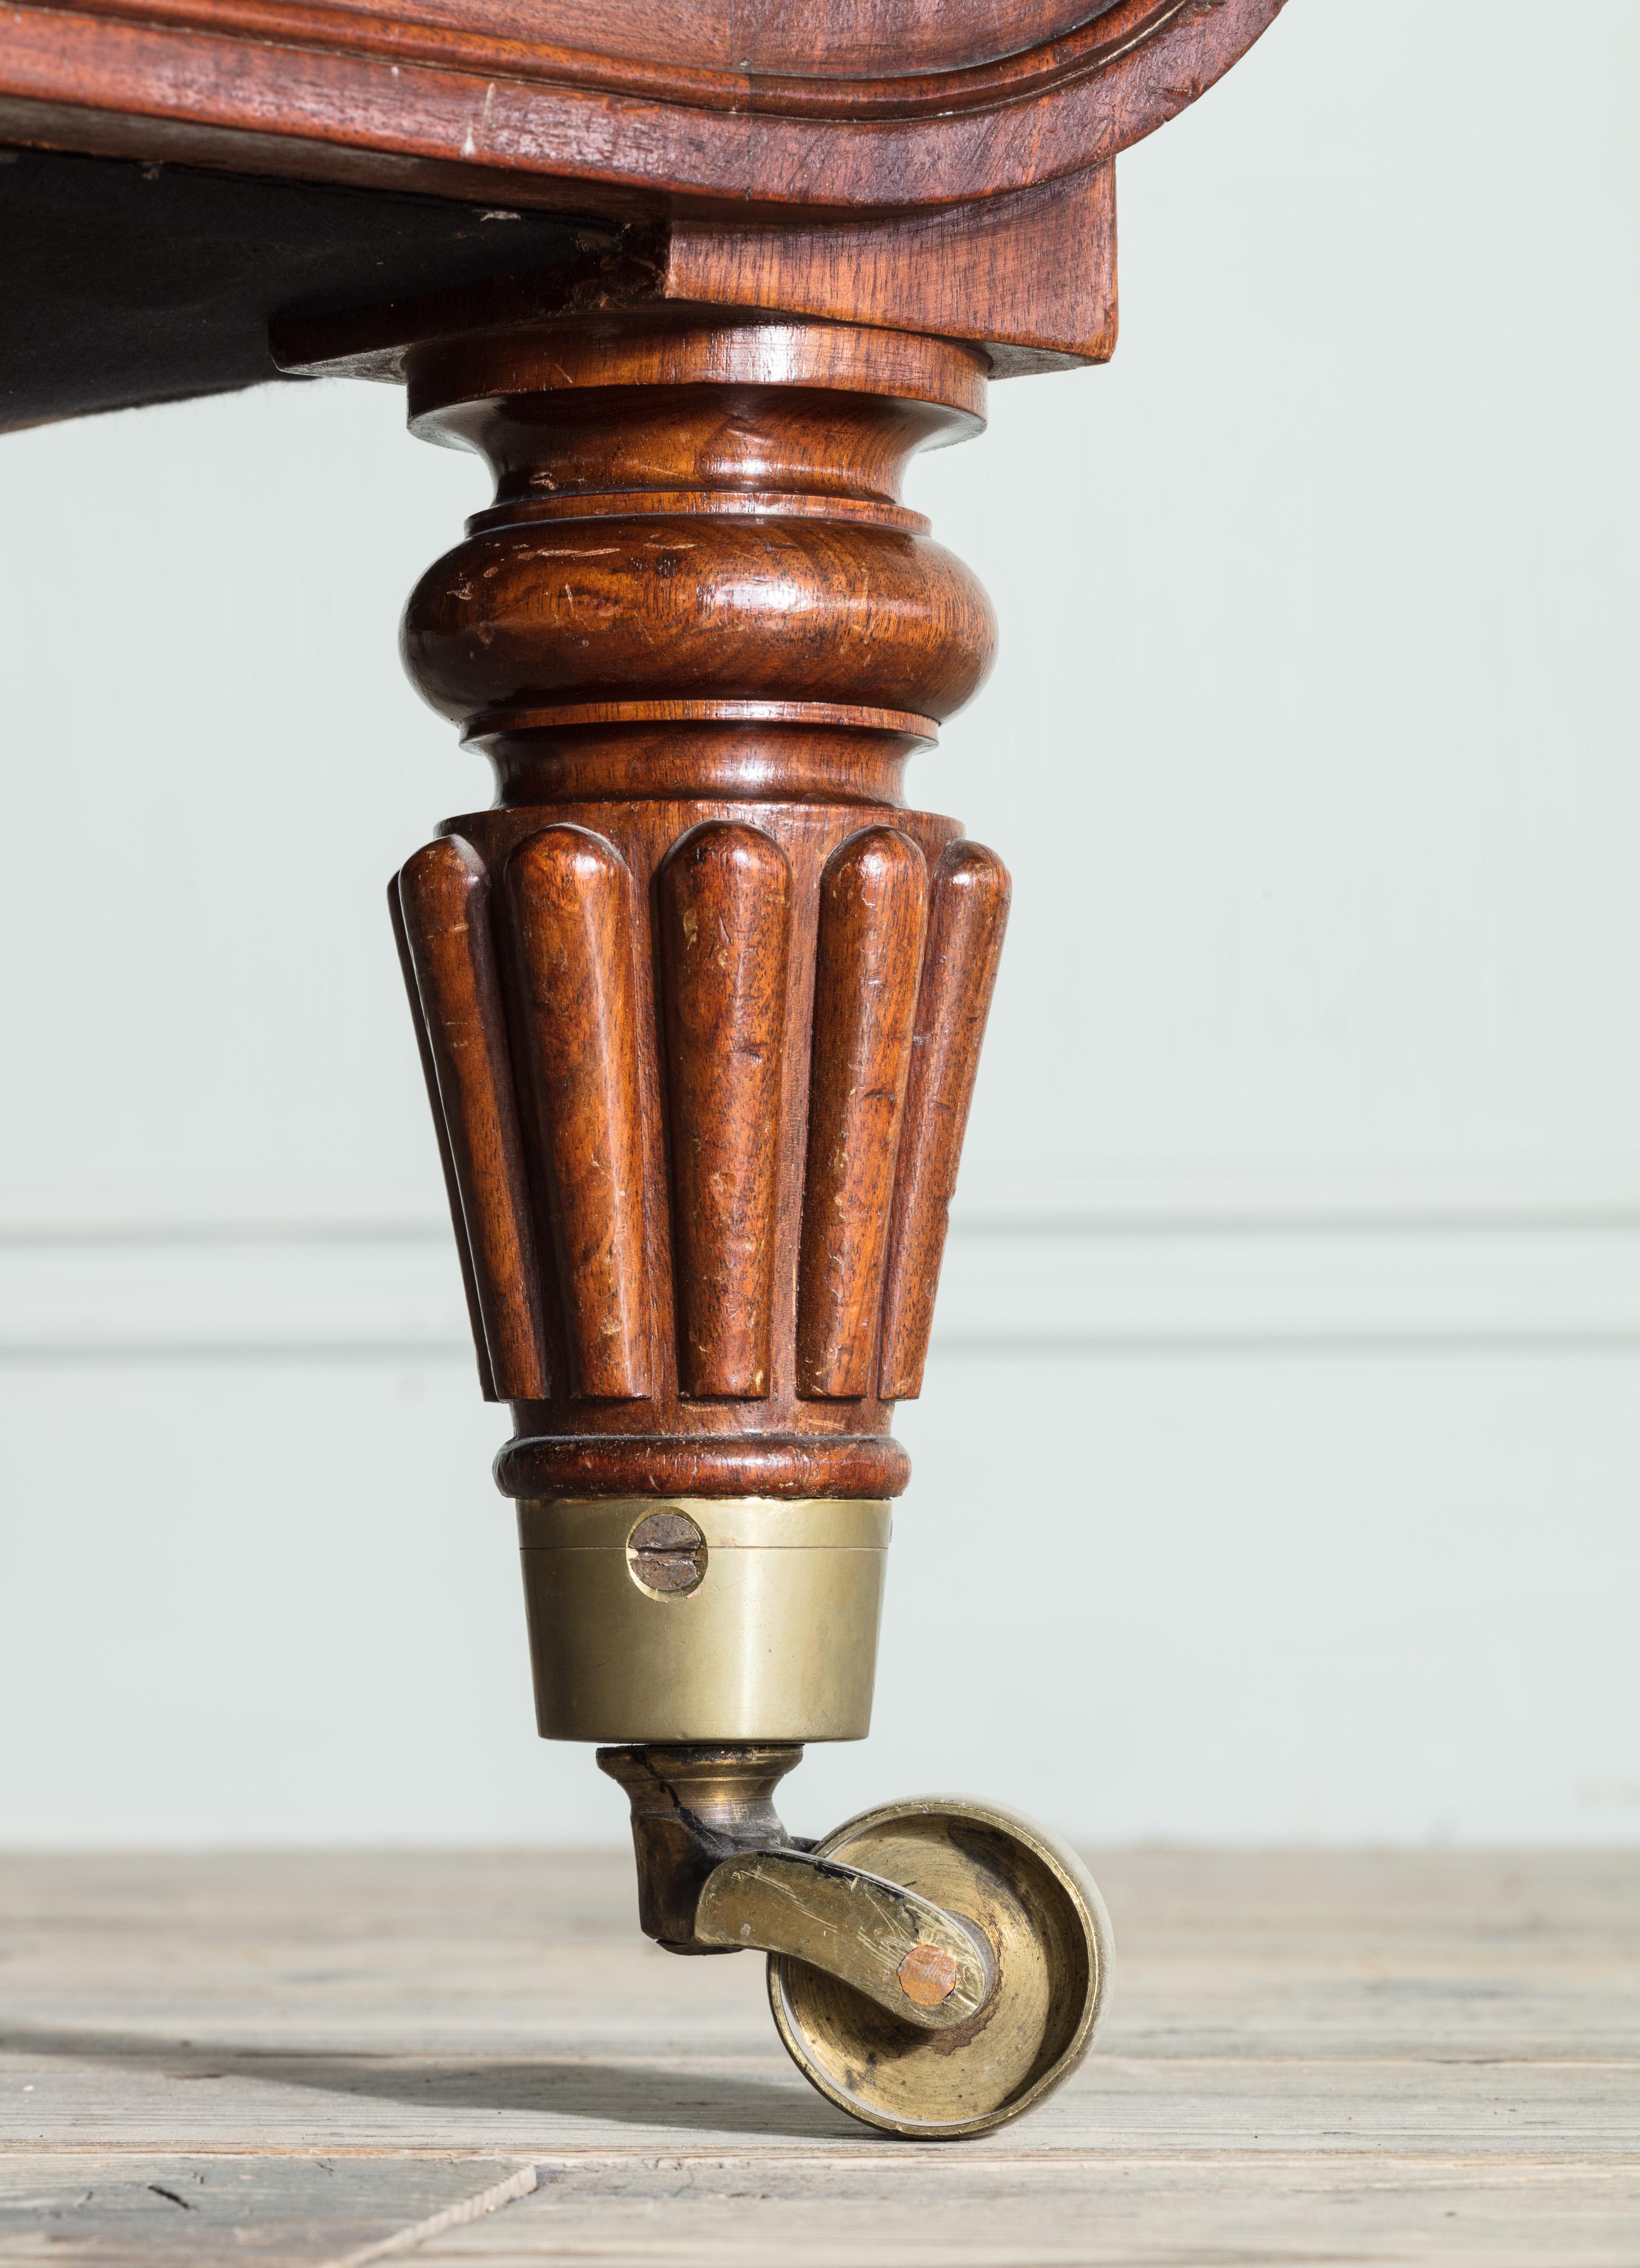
point(146, 2211)
point(1309, 2057)
point(978, 2216)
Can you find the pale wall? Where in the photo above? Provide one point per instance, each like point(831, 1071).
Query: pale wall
point(1297, 1277)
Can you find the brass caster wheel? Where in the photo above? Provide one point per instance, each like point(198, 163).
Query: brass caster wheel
point(1036, 1907)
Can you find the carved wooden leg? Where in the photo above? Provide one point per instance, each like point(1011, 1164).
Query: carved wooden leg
point(701, 1005)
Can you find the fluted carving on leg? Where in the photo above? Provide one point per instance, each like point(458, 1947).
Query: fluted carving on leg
point(573, 918)
point(703, 1109)
point(453, 1186)
point(873, 906)
point(968, 914)
point(724, 904)
point(443, 898)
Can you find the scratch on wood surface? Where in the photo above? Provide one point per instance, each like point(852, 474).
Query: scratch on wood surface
point(455, 2216)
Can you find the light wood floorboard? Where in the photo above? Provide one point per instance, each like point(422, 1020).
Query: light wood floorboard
point(301, 2059)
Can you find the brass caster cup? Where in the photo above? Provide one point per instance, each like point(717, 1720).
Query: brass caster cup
point(1039, 1912)
point(685, 1619)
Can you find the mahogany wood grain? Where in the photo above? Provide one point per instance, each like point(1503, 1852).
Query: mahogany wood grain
point(873, 906)
point(351, 83)
point(1032, 274)
point(846, 38)
point(789, 1465)
point(573, 922)
point(723, 899)
point(775, 58)
point(482, 364)
point(446, 1157)
point(697, 533)
point(739, 1084)
point(628, 606)
point(780, 1443)
point(968, 915)
point(700, 1088)
point(443, 894)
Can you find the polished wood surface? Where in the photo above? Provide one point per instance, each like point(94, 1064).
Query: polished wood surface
point(844, 39)
point(873, 910)
point(475, 1305)
point(1030, 276)
point(575, 938)
point(779, 1438)
point(698, 633)
point(968, 915)
point(456, 999)
point(700, 1002)
point(831, 104)
point(741, 544)
point(1383, 2057)
point(1032, 273)
point(724, 934)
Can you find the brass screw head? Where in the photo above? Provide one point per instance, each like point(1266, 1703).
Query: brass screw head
point(667, 1554)
point(928, 1974)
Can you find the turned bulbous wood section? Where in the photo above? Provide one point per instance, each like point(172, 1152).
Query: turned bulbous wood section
point(699, 1003)
point(698, 574)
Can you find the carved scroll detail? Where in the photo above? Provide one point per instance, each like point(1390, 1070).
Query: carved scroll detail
point(442, 894)
point(724, 903)
point(574, 921)
point(873, 907)
point(968, 914)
